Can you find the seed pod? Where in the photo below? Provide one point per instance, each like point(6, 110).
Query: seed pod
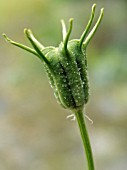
point(66, 66)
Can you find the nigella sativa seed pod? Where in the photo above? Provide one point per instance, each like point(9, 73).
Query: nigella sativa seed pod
point(66, 66)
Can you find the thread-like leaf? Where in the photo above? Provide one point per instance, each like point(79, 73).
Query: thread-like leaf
point(68, 34)
point(36, 45)
point(89, 37)
point(21, 45)
point(88, 25)
point(64, 31)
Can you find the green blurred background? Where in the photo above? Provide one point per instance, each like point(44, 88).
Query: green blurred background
point(34, 131)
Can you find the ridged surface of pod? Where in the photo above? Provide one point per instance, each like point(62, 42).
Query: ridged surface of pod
point(66, 65)
point(81, 60)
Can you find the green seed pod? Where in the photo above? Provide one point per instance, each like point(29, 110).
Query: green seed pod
point(66, 66)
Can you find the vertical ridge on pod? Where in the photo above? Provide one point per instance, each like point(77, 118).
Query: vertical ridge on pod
point(80, 58)
point(70, 66)
point(60, 80)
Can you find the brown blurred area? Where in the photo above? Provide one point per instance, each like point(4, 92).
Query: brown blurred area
point(34, 131)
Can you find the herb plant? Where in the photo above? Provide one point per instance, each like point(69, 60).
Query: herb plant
point(67, 70)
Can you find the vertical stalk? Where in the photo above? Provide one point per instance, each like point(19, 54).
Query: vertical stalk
point(85, 139)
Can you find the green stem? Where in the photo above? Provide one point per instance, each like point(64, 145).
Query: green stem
point(85, 139)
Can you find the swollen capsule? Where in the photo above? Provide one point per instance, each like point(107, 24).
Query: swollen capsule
point(66, 65)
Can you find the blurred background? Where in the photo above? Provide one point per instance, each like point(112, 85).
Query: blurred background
point(34, 131)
